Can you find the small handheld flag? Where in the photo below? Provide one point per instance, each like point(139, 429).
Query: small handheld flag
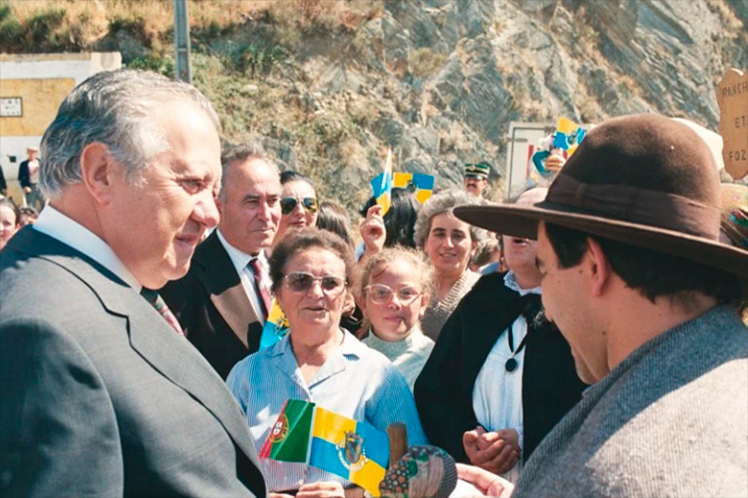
point(382, 185)
point(342, 446)
point(421, 185)
point(276, 326)
point(566, 139)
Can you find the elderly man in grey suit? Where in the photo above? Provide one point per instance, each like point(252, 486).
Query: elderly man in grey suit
point(637, 281)
point(101, 396)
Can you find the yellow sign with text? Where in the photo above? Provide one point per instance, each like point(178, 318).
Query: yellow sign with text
point(38, 100)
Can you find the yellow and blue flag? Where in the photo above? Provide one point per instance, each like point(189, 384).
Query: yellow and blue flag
point(342, 446)
point(276, 326)
point(420, 184)
point(568, 135)
point(382, 185)
point(350, 449)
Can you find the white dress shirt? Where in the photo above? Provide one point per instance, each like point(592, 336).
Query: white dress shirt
point(497, 393)
point(241, 264)
point(68, 231)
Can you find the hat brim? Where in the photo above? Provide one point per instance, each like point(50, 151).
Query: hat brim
point(522, 221)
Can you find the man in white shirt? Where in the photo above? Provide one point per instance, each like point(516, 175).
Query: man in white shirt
point(101, 395)
point(223, 302)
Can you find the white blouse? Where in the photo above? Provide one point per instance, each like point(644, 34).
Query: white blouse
point(497, 393)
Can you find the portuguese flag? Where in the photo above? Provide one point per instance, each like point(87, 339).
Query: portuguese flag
point(288, 440)
point(305, 433)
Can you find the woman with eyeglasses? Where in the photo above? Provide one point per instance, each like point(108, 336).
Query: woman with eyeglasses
point(317, 361)
point(394, 289)
point(299, 205)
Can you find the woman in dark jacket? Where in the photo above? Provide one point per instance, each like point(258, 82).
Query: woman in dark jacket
point(500, 376)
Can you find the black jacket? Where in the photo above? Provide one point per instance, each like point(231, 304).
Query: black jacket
point(213, 308)
point(444, 389)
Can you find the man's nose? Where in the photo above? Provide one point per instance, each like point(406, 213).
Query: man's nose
point(206, 211)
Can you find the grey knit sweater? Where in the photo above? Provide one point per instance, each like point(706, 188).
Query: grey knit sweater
point(438, 312)
point(670, 420)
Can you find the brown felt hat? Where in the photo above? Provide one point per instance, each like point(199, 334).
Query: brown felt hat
point(645, 180)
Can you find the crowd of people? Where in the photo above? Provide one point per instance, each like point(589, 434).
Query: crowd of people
point(585, 338)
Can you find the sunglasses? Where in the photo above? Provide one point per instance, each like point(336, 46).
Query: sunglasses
point(381, 294)
point(288, 204)
point(301, 281)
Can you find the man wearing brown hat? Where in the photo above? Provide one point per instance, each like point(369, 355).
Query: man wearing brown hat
point(637, 281)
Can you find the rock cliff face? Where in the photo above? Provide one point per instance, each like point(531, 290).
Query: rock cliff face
point(331, 84)
point(440, 80)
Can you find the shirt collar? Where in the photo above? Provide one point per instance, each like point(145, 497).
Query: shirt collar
point(240, 259)
point(68, 231)
point(510, 280)
point(393, 348)
point(349, 347)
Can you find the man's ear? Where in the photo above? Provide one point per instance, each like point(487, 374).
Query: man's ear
point(98, 169)
point(599, 266)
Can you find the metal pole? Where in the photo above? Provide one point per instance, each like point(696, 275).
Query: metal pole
point(182, 41)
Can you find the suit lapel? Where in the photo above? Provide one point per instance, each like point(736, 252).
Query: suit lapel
point(224, 287)
point(171, 355)
point(181, 363)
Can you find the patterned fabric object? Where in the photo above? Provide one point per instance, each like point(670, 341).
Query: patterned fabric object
point(423, 472)
point(262, 291)
point(159, 305)
point(735, 214)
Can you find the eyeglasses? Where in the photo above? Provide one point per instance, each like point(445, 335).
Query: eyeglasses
point(381, 294)
point(301, 281)
point(288, 204)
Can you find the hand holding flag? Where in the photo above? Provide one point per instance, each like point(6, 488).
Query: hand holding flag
point(382, 185)
point(342, 446)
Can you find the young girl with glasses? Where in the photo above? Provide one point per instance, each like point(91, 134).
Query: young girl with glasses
point(394, 290)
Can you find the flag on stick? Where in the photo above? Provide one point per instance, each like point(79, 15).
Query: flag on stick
point(421, 185)
point(342, 446)
point(382, 185)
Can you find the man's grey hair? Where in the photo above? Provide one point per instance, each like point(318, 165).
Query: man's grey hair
point(238, 154)
point(441, 203)
point(115, 108)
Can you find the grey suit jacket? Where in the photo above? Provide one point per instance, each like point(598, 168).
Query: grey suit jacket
point(99, 396)
point(670, 420)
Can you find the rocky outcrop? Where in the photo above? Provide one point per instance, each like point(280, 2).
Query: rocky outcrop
point(442, 79)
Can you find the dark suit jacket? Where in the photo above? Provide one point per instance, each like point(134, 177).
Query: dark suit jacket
point(99, 396)
point(444, 389)
point(24, 177)
point(213, 308)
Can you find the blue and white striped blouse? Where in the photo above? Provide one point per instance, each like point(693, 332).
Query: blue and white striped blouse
point(355, 381)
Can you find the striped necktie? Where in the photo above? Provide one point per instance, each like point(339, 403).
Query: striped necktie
point(155, 300)
point(266, 301)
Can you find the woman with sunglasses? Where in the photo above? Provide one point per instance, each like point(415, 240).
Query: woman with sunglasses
point(394, 289)
point(317, 361)
point(299, 205)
